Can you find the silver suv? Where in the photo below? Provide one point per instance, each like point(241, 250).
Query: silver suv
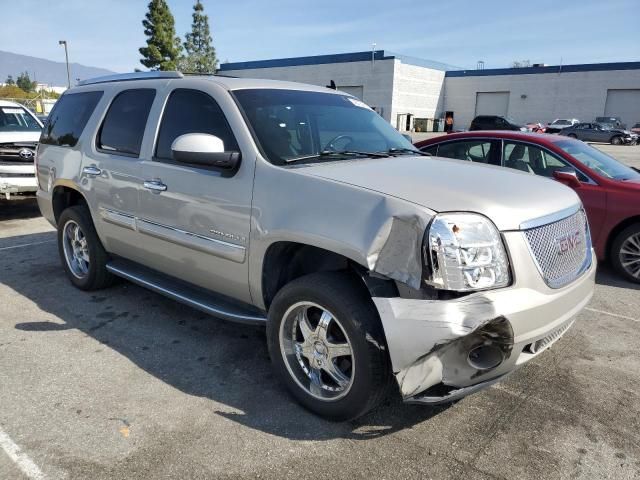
point(374, 269)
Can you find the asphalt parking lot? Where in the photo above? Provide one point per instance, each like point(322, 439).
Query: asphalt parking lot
point(123, 383)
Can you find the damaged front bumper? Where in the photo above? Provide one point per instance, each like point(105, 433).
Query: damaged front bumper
point(442, 350)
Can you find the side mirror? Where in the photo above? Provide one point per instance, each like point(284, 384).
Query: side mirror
point(568, 176)
point(205, 150)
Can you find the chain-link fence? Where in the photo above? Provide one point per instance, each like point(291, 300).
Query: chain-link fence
point(38, 105)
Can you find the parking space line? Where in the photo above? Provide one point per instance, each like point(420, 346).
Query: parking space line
point(24, 463)
point(613, 314)
point(26, 244)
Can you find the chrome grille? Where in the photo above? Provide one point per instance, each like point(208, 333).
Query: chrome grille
point(562, 249)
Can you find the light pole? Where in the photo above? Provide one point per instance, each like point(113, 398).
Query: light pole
point(66, 56)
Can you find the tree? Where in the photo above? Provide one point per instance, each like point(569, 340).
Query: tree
point(521, 64)
point(163, 46)
point(10, 80)
point(25, 83)
point(200, 55)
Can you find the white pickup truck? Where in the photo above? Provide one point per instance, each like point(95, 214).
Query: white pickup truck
point(19, 134)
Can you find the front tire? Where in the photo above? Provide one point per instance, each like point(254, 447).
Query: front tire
point(327, 345)
point(617, 140)
point(625, 253)
point(81, 252)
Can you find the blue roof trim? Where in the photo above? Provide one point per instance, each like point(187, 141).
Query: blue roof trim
point(585, 67)
point(334, 58)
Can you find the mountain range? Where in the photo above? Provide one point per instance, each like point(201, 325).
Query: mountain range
point(45, 71)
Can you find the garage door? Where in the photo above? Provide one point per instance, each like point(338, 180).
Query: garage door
point(355, 91)
point(624, 104)
point(492, 103)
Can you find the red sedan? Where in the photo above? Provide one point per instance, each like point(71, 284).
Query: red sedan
point(610, 191)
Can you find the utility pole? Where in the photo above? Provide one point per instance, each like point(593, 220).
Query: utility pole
point(373, 54)
point(66, 56)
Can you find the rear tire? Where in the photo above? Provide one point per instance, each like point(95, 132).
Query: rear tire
point(617, 140)
point(83, 257)
point(341, 371)
point(625, 253)
point(572, 135)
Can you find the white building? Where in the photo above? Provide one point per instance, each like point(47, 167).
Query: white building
point(409, 92)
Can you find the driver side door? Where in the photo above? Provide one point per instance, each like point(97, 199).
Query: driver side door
point(194, 219)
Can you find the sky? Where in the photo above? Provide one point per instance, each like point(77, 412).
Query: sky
point(108, 33)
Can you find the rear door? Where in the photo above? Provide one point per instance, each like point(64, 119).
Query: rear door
point(195, 221)
point(584, 132)
point(111, 169)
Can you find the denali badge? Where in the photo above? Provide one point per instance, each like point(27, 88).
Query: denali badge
point(568, 242)
point(25, 154)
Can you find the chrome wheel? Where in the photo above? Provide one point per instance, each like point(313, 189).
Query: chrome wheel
point(317, 351)
point(76, 249)
point(630, 255)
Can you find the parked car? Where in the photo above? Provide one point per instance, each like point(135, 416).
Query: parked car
point(636, 129)
point(612, 122)
point(560, 123)
point(495, 122)
point(609, 190)
point(19, 133)
point(299, 208)
point(535, 127)
point(596, 132)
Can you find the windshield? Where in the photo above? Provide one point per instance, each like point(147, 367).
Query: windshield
point(17, 119)
point(289, 124)
point(561, 122)
point(598, 161)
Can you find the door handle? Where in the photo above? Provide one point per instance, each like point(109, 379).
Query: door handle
point(92, 171)
point(154, 185)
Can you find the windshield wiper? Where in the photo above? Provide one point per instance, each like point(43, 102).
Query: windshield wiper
point(332, 153)
point(393, 151)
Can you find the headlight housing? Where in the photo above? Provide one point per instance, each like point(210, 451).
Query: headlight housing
point(464, 252)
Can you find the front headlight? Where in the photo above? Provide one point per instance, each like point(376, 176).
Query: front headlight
point(464, 252)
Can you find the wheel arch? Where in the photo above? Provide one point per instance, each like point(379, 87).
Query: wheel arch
point(63, 197)
point(285, 261)
point(615, 231)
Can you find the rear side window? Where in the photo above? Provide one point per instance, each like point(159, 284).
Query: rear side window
point(480, 151)
point(192, 111)
point(68, 118)
point(430, 149)
point(123, 126)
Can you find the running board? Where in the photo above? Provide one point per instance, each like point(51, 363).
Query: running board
point(195, 297)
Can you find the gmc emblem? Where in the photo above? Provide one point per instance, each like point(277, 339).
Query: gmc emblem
point(568, 242)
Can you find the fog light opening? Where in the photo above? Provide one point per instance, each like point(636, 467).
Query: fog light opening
point(485, 357)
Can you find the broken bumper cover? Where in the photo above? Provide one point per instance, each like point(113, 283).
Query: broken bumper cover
point(430, 341)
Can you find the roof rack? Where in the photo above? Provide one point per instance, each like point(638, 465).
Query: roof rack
point(118, 77)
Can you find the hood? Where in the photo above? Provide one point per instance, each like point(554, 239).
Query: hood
point(28, 137)
point(508, 197)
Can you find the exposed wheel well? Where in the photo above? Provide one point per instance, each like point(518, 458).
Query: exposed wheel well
point(65, 197)
point(286, 261)
point(618, 228)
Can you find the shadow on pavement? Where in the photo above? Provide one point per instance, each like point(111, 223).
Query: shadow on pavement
point(18, 209)
point(607, 276)
point(195, 353)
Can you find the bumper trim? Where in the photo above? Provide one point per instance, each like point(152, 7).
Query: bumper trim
point(453, 395)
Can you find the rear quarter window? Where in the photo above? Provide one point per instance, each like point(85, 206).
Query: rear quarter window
point(68, 118)
point(123, 126)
